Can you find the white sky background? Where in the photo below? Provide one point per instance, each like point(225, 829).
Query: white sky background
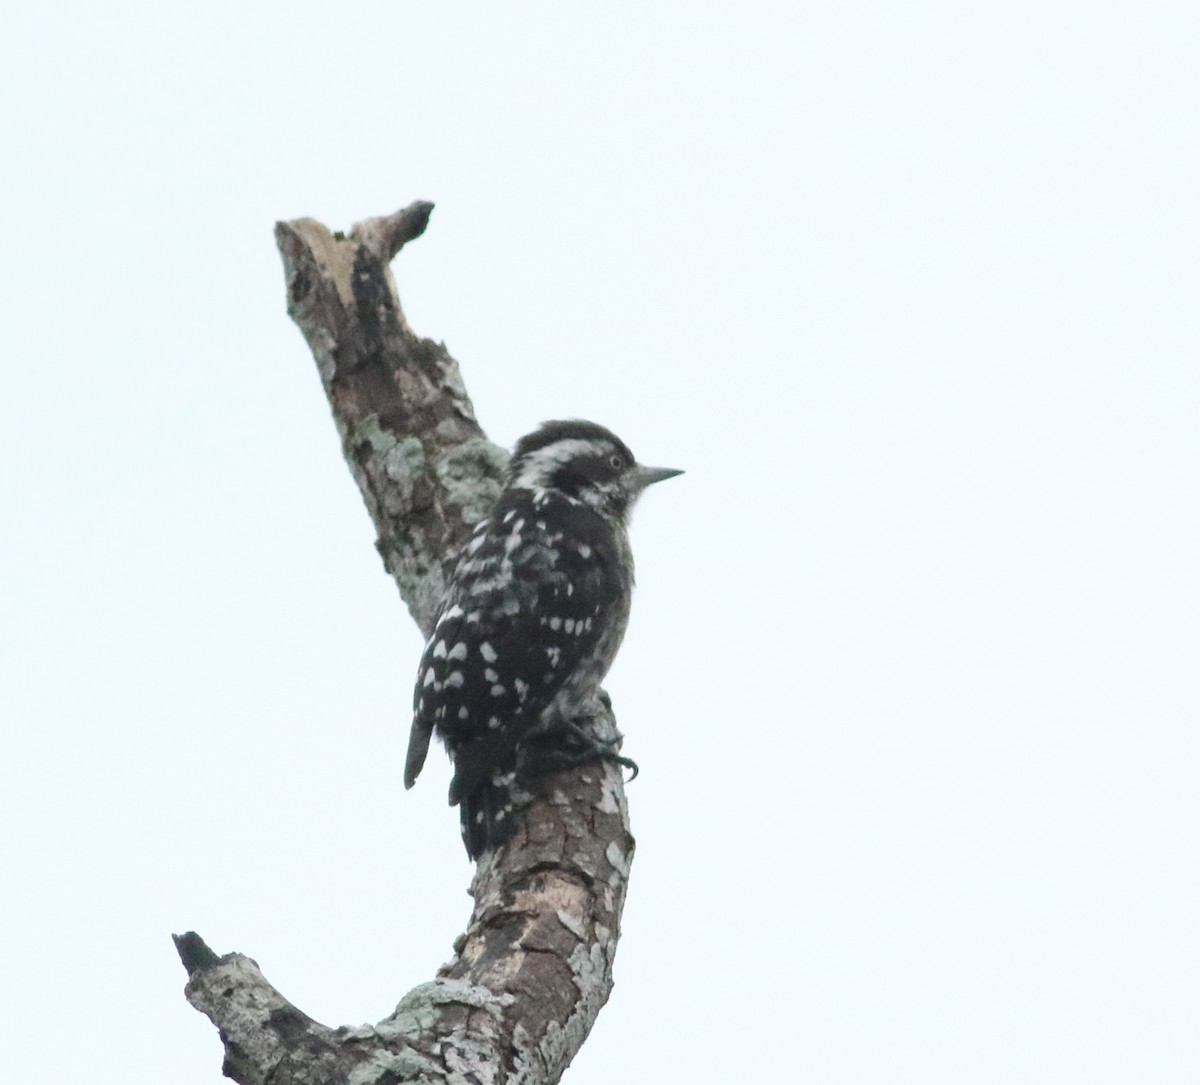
point(910, 290)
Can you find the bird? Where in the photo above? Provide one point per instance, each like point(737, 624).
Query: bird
point(531, 620)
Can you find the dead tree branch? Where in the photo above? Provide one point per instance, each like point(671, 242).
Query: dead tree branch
point(534, 966)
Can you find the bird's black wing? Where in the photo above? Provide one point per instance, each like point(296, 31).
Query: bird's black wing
point(525, 609)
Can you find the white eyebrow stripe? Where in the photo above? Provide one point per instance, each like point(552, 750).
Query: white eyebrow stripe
point(538, 467)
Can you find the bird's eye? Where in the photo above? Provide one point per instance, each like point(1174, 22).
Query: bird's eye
point(614, 461)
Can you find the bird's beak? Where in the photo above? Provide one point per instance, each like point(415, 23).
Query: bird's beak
point(647, 476)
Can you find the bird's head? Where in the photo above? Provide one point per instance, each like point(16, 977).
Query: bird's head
point(584, 462)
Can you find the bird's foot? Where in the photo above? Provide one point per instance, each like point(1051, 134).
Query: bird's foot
point(602, 748)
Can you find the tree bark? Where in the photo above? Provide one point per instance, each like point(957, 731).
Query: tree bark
point(534, 966)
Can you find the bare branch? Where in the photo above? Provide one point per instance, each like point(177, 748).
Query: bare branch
point(534, 966)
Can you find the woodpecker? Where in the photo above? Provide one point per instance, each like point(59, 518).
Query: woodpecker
point(532, 618)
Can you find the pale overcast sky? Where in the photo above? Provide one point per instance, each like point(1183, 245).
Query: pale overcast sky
point(910, 290)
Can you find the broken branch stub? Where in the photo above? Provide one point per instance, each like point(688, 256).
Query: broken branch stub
point(423, 464)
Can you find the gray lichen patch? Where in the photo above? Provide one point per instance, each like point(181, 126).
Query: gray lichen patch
point(592, 977)
point(389, 469)
point(470, 475)
point(405, 460)
point(587, 965)
point(422, 1006)
point(612, 794)
point(617, 858)
point(368, 431)
point(573, 923)
point(384, 1066)
point(357, 1032)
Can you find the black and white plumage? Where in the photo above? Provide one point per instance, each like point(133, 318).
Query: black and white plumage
point(532, 619)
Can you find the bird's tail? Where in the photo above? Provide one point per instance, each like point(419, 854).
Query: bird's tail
point(418, 747)
point(489, 814)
